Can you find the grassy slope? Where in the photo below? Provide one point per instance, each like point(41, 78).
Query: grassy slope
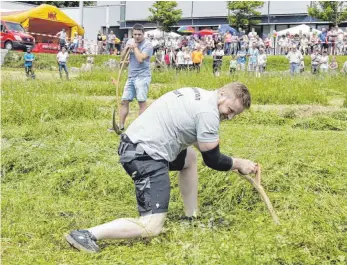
point(60, 172)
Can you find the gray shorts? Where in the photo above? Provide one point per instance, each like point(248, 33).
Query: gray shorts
point(151, 178)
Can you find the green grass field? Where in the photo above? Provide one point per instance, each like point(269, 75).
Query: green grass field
point(60, 172)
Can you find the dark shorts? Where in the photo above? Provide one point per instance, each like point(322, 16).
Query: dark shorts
point(151, 179)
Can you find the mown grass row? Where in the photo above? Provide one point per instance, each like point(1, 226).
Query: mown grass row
point(269, 89)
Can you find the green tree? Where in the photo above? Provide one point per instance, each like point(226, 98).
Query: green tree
point(60, 3)
point(242, 13)
point(332, 11)
point(165, 14)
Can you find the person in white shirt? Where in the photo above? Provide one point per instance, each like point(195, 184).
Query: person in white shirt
point(62, 57)
point(217, 55)
point(262, 59)
point(188, 62)
point(295, 57)
point(62, 38)
point(315, 61)
point(180, 59)
point(324, 62)
point(304, 44)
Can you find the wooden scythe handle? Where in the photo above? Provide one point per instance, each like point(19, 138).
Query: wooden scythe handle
point(116, 83)
point(256, 183)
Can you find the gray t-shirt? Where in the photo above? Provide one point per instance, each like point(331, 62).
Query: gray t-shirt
point(137, 69)
point(175, 121)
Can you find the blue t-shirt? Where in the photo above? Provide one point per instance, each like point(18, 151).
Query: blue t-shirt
point(27, 58)
point(253, 58)
point(242, 58)
point(322, 36)
point(137, 69)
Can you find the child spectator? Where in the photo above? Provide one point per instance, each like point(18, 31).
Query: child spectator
point(333, 65)
point(241, 58)
point(28, 63)
point(167, 59)
point(324, 62)
point(315, 61)
point(262, 59)
point(233, 64)
point(188, 62)
point(253, 53)
point(197, 57)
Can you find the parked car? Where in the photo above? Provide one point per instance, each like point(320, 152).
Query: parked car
point(13, 36)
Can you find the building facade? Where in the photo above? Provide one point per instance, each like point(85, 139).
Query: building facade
point(120, 16)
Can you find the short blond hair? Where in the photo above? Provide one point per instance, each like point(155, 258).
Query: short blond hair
point(240, 91)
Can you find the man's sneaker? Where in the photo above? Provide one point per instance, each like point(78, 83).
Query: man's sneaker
point(83, 240)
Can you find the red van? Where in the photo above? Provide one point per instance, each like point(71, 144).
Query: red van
point(13, 36)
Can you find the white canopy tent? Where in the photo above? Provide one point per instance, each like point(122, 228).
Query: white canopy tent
point(296, 30)
point(157, 33)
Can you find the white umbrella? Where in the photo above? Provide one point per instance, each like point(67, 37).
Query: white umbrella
point(296, 30)
point(157, 33)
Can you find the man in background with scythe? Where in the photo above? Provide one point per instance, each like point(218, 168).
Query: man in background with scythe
point(140, 51)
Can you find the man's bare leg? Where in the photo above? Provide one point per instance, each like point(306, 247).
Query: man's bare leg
point(142, 107)
point(144, 226)
point(124, 111)
point(188, 183)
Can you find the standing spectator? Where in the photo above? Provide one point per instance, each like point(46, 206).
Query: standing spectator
point(227, 42)
point(28, 63)
point(184, 42)
point(169, 44)
point(161, 42)
point(339, 43)
point(203, 45)
point(210, 45)
point(188, 62)
point(240, 35)
point(62, 57)
point(155, 44)
point(253, 53)
point(111, 42)
point(62, 38)
point(160, 58)
point(217, 55)
point(294, 57)
point(176, 43)
point(139, 72)
point(180, 59)
point(314, 42)
point(324, 62)
point(262, 59)
point(267, 44)
point(332, 35)
point(241, 59)
point(315, 61)
point(283, 45)
point(191, 43)
point(124, 41)
point(197, 57)
point(99, 41)
point(333, 66)
point(74, 44)
point(234, 44)
point(304, 44)
point(232, 64)
point(323, 40)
